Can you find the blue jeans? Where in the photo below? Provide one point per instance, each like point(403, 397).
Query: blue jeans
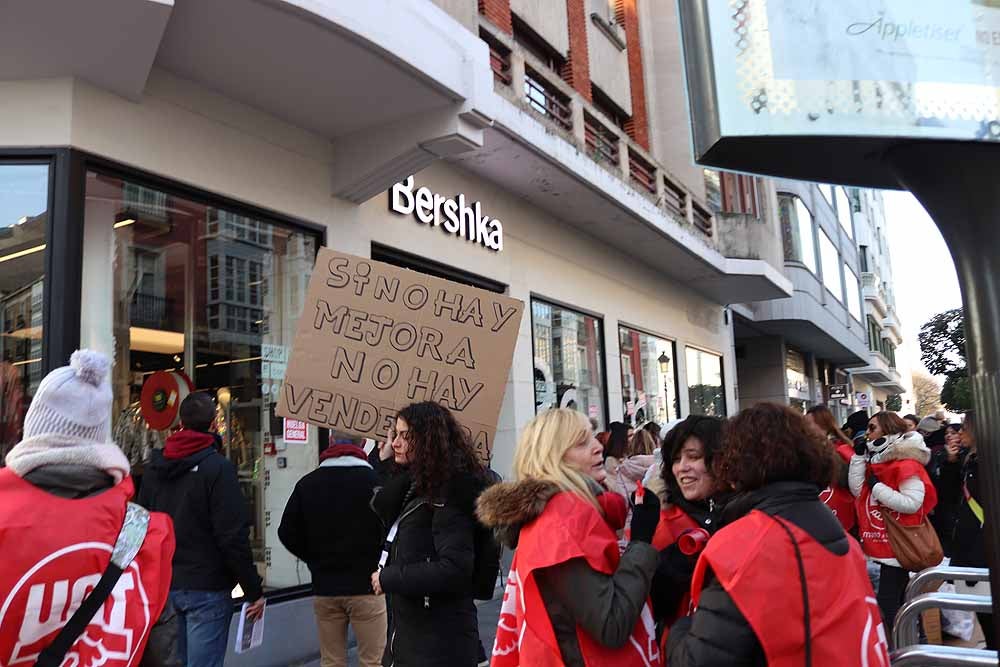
point(204, 618)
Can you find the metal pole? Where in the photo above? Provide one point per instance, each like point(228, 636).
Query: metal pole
point(957, 184)
point(943, 656)
point(905, 632)
point(924, 579)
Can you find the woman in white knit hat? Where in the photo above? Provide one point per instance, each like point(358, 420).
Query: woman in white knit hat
point(66, 522)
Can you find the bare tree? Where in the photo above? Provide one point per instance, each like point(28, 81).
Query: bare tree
point(926, 394)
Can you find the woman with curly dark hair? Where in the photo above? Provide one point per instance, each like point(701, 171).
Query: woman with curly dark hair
point(780, 582)
point(427, 567)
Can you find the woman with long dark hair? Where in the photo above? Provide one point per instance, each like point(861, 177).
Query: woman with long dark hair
point(887, 475)
point(780, 583)
point(837, 496)
point(427, 567)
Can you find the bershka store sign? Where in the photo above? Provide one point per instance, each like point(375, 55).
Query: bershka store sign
point(455, 215)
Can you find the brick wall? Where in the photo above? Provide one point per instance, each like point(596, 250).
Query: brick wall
point(498, 13)
point(637, 127)
point(576, 71)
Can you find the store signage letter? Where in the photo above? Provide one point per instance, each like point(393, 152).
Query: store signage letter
point(455, 215)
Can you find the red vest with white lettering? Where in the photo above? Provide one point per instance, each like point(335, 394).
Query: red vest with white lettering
point(55, 551)
point(837, 498)
point(871, 525)
point(568, 527)
point(754, 560)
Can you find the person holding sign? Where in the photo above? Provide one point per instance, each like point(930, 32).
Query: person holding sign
point(428, 565)
point(571, 598)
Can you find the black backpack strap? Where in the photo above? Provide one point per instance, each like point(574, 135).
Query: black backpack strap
point(129, 541)
point(805, 589)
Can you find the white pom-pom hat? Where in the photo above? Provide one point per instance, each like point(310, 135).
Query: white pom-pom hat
point(73, 401)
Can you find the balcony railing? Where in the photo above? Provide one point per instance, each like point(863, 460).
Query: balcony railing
point(702, 218)
point(642, 172)
point(602, 143)
point(149, 311)
point(674, 198)
point(500, 64)
point(546, 100)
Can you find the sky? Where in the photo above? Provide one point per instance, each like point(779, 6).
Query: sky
point(923, 272)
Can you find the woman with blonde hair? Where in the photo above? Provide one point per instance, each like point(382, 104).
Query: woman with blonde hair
point(571, 598)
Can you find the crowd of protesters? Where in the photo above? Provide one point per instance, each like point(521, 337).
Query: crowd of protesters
point(706, 542)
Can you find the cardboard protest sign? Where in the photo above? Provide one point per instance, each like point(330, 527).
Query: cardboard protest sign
point(374, 338)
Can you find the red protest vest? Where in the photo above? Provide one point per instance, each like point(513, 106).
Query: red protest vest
point(755, 562)
point(871, 525)
point(838, 499)
point(568, 527)
point(55, 551)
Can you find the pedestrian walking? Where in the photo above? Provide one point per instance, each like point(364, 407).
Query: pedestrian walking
point(960, 488)
point(688, 509)
point(64, 512)
point(198, 487)
point(837, 496)
point(886, 476)
point(428, 565)
point(571, 599)
point(780, 583)
point(328, 523)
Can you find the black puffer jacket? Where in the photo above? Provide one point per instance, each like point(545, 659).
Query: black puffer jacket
point(428, 579)
point(718, 633)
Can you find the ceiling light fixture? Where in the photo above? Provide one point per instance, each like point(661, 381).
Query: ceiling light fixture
point(125, 223)
point(22, 253)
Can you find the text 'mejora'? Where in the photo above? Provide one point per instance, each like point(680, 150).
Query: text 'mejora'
point(454, 214)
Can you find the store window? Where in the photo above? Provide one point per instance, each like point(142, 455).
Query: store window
point(649, 390)
point(797, 231)
point(213, 294)
point(569, 360)
point(830, 259)
point(24, 206)
point(796, 375)
point(853, 292)
point(706, 391)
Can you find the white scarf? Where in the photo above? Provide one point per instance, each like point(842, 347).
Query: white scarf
point(43, 450)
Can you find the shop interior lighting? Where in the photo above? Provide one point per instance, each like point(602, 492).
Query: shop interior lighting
point(22, 253)
point(125, 223)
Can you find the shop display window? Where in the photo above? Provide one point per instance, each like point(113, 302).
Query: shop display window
point(706, 391)
point(211, 295)
point(649, 390)
point(569, 361)
point(24, 212)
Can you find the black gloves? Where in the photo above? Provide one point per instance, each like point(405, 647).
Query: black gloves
point(645, 517)
point(860, 445)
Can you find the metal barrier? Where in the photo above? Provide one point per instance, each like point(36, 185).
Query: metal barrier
point(922, 580)
point(943, 656)
point(905, 634)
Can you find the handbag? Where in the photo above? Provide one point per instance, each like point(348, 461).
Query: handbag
point(915, 547)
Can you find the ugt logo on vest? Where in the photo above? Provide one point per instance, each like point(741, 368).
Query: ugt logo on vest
point(47, 595)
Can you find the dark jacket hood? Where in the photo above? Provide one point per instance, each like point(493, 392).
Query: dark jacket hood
point(174, 468)
point(508, 506)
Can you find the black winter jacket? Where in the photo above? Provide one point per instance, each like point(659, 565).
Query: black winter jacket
point(201, 493)
point(718, 633)
point(958, 526)
point(328, 523)
point(428, 579)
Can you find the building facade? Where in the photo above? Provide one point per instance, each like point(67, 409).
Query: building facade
point(833, 342)
point(165, 186)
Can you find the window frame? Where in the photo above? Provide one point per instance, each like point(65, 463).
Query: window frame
point(722, 376)
point(839, 263)
point(673, 359)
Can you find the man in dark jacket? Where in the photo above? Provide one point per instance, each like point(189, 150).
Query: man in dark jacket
point(328, 523)
point(198, 487)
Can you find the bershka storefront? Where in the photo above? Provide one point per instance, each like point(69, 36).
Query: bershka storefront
point(185, 284)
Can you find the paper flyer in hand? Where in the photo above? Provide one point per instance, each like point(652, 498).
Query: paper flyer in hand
point(249, 634)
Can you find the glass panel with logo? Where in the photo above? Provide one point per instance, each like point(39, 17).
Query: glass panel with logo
point(569, 360)
point(24, 213)
point(206, 299)
point(649, 390)
point(706, 391)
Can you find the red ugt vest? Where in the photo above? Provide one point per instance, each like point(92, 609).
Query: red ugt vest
point(673, 523)
point(838, 499)
point(755, 562)
point(568, 527)
point(55, 551)
point(871, 525)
